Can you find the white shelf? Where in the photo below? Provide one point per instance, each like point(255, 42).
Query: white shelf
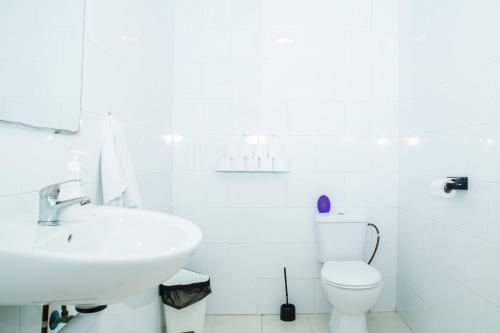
point(246, 171)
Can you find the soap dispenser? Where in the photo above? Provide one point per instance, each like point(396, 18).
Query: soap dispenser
point(75, 213)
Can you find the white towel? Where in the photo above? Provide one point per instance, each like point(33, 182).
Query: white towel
point(119, 186)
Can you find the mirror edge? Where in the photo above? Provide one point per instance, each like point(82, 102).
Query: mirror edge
point(19, 125)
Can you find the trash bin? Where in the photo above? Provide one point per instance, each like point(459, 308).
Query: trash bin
point(184, 301)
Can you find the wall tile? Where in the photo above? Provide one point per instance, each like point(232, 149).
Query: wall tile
point(301, 293)
point(302, 261)
point(270, 296)
point(212, 259)
point(333, 104)
point(493, 223)
point(190, 213)
point(385, 16)
point(10, 319)
point(382, 190)
point(480, 273)
point(385, 260)
point(187, 154)
point(236, 225)
point(132, 79)
point(321, 304)
point(258, 190)
point(281, 225)
point(493, 318)
point(155, 191)
point(185, 188)
point(304, 189)
point(387, 300)
point(271, 258)
point(216, 189)
point(445, 247)
point(244, 261)
point(228, 294)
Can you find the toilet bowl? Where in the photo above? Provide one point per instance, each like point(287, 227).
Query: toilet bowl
point(353, 288)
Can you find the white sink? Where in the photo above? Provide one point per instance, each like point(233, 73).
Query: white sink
point(115, 254)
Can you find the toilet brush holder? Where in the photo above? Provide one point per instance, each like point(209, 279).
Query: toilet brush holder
point(287, 311)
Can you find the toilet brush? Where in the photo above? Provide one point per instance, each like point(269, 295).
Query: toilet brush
point(287, 312)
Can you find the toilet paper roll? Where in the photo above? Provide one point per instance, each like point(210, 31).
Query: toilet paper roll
point(261, 150)
point(437, 189)
point(231, 151)
point(238, 164)
point(266, 164)
point(224, 164)
point(246, 150)
point(252, 164)
point(275, 150)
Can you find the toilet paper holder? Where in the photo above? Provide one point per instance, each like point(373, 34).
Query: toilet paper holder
point(457, 183)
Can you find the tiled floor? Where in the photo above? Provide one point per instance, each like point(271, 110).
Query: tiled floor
point(385, 322)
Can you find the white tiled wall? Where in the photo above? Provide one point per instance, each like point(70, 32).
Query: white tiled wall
point(128, 71)
point(448, 249)
point(322, 76)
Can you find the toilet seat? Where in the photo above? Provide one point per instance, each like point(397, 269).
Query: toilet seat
point(350, 275)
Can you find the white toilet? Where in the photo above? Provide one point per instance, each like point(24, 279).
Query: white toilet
point(351, 285)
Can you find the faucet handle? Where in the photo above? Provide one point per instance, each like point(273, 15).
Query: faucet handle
point(52, 191)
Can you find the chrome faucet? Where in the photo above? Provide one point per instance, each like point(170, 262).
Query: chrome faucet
point(51, 207)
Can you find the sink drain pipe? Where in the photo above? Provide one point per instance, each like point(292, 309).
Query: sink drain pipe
point(57, 318)
point(45, 318)
point(86, 321)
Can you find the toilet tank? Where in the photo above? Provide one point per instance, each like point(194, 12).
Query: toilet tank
point(340, 237)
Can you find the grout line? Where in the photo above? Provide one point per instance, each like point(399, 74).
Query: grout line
point(457, 127)
point(322, 319)
point(309, 323)
point(434, 221)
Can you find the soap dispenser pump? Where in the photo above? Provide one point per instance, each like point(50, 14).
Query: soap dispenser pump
point(72, 190)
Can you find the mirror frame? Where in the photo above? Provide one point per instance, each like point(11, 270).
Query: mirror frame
point(17, 124)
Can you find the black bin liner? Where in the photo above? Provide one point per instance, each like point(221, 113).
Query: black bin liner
point(184, 295)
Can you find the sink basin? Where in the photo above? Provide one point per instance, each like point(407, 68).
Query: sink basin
point(115, 254)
